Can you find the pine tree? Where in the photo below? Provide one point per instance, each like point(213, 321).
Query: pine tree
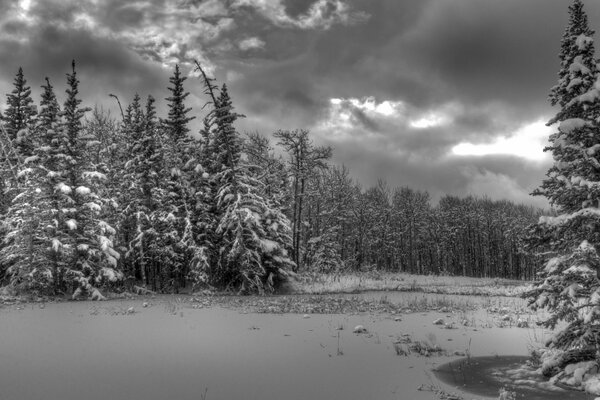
point(51, 154)
point(568, 285)
point(177, 122)
point(253, 236)
point(145, 193)
point(94, 261)
point(19, 116)
point(578, 65)
point(36, 245)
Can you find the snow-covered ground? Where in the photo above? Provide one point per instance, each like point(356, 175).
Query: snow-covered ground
point(180, 348)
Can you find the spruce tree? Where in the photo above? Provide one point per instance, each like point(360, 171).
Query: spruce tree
point(19, 116)
point(175, 213)
point(94, 261)
point(37, 247)
point(51, 153)
point(568, 284)
point(177, 121)
point(252, 236)
point(143, 196)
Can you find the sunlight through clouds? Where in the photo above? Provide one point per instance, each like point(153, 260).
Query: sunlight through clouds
point(527, 142)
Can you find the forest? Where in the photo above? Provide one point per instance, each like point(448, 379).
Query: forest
point(90, 201)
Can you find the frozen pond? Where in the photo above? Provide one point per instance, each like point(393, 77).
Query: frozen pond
point(170, 350)
point(486, 375)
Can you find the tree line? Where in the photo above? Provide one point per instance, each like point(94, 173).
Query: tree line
point(89, 200)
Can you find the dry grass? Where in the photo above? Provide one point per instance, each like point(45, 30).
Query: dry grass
point(361, 282)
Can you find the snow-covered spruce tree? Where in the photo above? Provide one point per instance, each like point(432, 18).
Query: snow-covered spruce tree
point(144, 174)
point(173, 217)
point(19, 116)
point(568, 284)
point(177, 121)
point(51, 166)
point(252, 236)
point(34, 248)
point(18, 121)
point(94, 261)
point(22, 254)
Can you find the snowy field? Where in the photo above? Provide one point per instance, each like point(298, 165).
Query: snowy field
point(183, 348)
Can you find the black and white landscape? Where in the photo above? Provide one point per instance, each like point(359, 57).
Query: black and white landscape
point(313, 199)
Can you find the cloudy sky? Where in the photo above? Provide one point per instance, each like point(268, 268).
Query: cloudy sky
point(447, 96)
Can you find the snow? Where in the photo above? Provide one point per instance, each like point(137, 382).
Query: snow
point(94, 174)
point(105, 243)
point(93, 206)
point(592, 150)
point(30, 159)
point(553, 264)
point(583, 41)
point(585, 246)
point(269, 246)
point(56, 244)
point(564, 218)
point(569, 125)
point(577, 371)
point(24, 171)
point(589, 97)
point(63, 188)
point(71, 224)
point(580, 181)
point(83, 191)
point(110, 274)
point(105, 227)
point(577, 66)
point(572, 290)
point(589, 316)
point(592, 385)
point(573, 83)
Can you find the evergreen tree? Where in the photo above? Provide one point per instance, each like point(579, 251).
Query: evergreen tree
point(51, 162)
point(94, 260)
point(177, 121)
point(145, 193)
point(19, 116)
point(37, 248)
point(578, 65)
point(568, 285)
point(253, 236)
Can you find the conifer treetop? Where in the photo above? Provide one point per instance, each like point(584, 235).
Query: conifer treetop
point(177, 120)
point(577, 62)
point(20, 112)
point(49, 107)
point(72, 111)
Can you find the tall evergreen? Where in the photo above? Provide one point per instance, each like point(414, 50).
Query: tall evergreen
point(51, 153)
point(252, 236)
point(49, 107)
point(36, 246)
point(578, 64)
point(94, 259)
point(20, 114)
point(568, 284)
point(177, 121)
point(143, 196)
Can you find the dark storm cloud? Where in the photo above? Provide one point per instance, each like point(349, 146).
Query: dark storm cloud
point(465, 70)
